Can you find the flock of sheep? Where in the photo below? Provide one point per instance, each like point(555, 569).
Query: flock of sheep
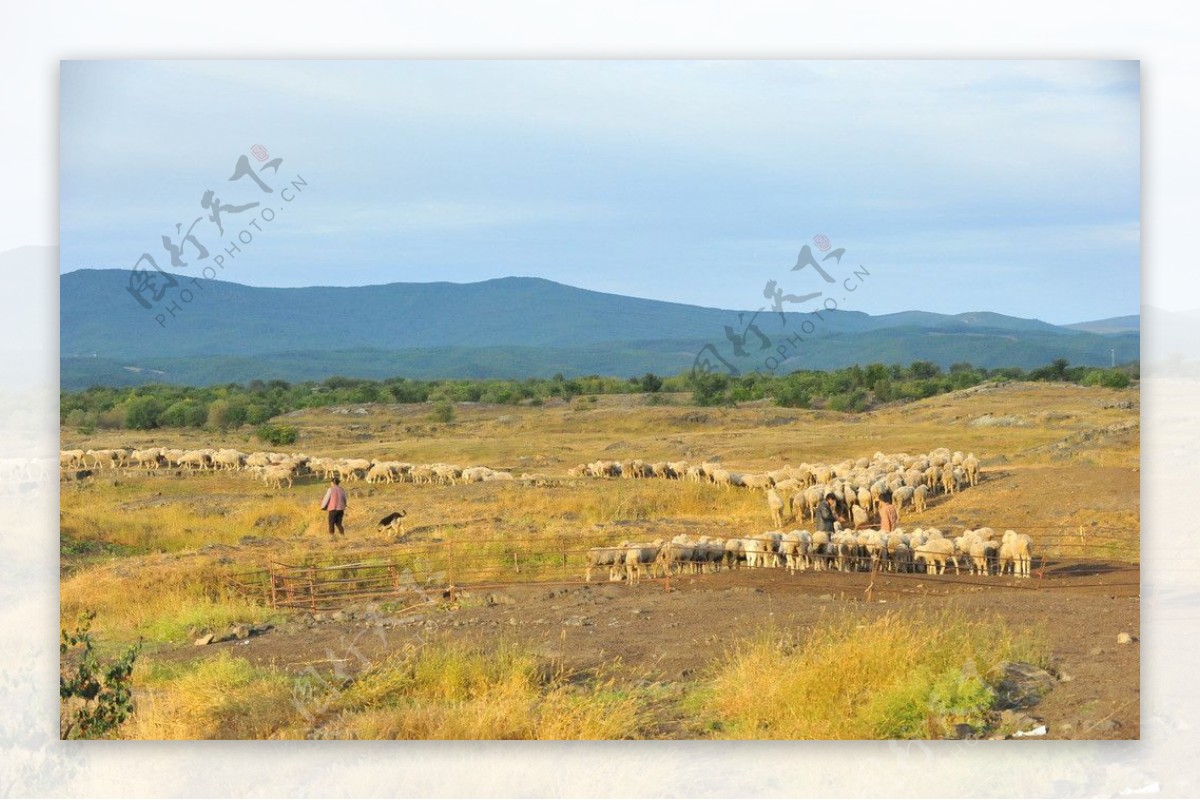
point(277, 469)
point(790, 491)
point(980, 551)
point(858, 484)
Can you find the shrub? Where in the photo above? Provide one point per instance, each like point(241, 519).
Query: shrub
point(278, 434)
point(95, 697)
point(1110, 378)
point(442, 412)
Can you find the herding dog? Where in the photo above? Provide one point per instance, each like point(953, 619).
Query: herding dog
point(393, 523)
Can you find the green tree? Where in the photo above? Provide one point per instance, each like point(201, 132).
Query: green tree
point(141, 413)
point(651, 382)
point(710, 389)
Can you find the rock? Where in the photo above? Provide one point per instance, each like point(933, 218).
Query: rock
point(1019, 685)
point(203, 640)
point(575, 622)
point(1124, 638)
point(1011, 720)
point(1106, 726)
point(962, 731)
point(240, 631)
point(338, 616)
point(1095, 651)
point(1064, 677)
point(500, 599)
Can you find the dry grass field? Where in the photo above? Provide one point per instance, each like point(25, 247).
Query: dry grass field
point(525, 649)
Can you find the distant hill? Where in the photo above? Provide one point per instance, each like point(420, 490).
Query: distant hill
point(1132, 322)
point(509, 327)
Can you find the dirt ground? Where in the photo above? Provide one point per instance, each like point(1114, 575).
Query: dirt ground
point(670, 633)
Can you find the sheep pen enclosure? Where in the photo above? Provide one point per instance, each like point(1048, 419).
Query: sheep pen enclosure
point(178, 551)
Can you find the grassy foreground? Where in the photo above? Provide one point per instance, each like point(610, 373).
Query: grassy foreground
point(891, 678)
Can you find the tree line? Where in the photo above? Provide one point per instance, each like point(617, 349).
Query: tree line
point(256, 403)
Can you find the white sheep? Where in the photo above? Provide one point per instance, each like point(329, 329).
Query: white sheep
point(776, 504)
point(1016, 552)
point(604, 557)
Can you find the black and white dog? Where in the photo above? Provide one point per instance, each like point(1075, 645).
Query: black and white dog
point(393, 523)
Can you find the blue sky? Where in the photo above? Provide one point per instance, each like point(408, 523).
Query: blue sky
point(961, 186)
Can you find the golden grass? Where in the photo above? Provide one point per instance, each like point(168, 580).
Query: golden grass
point(896, 677)
point(218, 698)
point(451, 692)
point(431, 692)
point(157, 598)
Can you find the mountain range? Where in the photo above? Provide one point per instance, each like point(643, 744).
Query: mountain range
point(511, 327)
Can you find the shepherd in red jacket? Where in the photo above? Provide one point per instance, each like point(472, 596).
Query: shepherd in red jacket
point(335, 503)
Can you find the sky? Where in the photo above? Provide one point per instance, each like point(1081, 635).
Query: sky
point(1007, 186)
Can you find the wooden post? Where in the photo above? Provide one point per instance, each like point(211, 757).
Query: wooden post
point(312, 588)
point(271, 587)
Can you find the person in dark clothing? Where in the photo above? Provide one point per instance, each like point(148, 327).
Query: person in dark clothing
point(827, 513)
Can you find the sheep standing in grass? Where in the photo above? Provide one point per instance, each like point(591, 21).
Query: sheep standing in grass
point(903, 496)
point(949, 483)
point(776, 504)
point(970, 466)
point(275, 476)
point(920, 498)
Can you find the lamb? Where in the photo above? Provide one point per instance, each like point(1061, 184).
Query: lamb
point(903, 496)
point(1016, 551)
point(777, 505)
